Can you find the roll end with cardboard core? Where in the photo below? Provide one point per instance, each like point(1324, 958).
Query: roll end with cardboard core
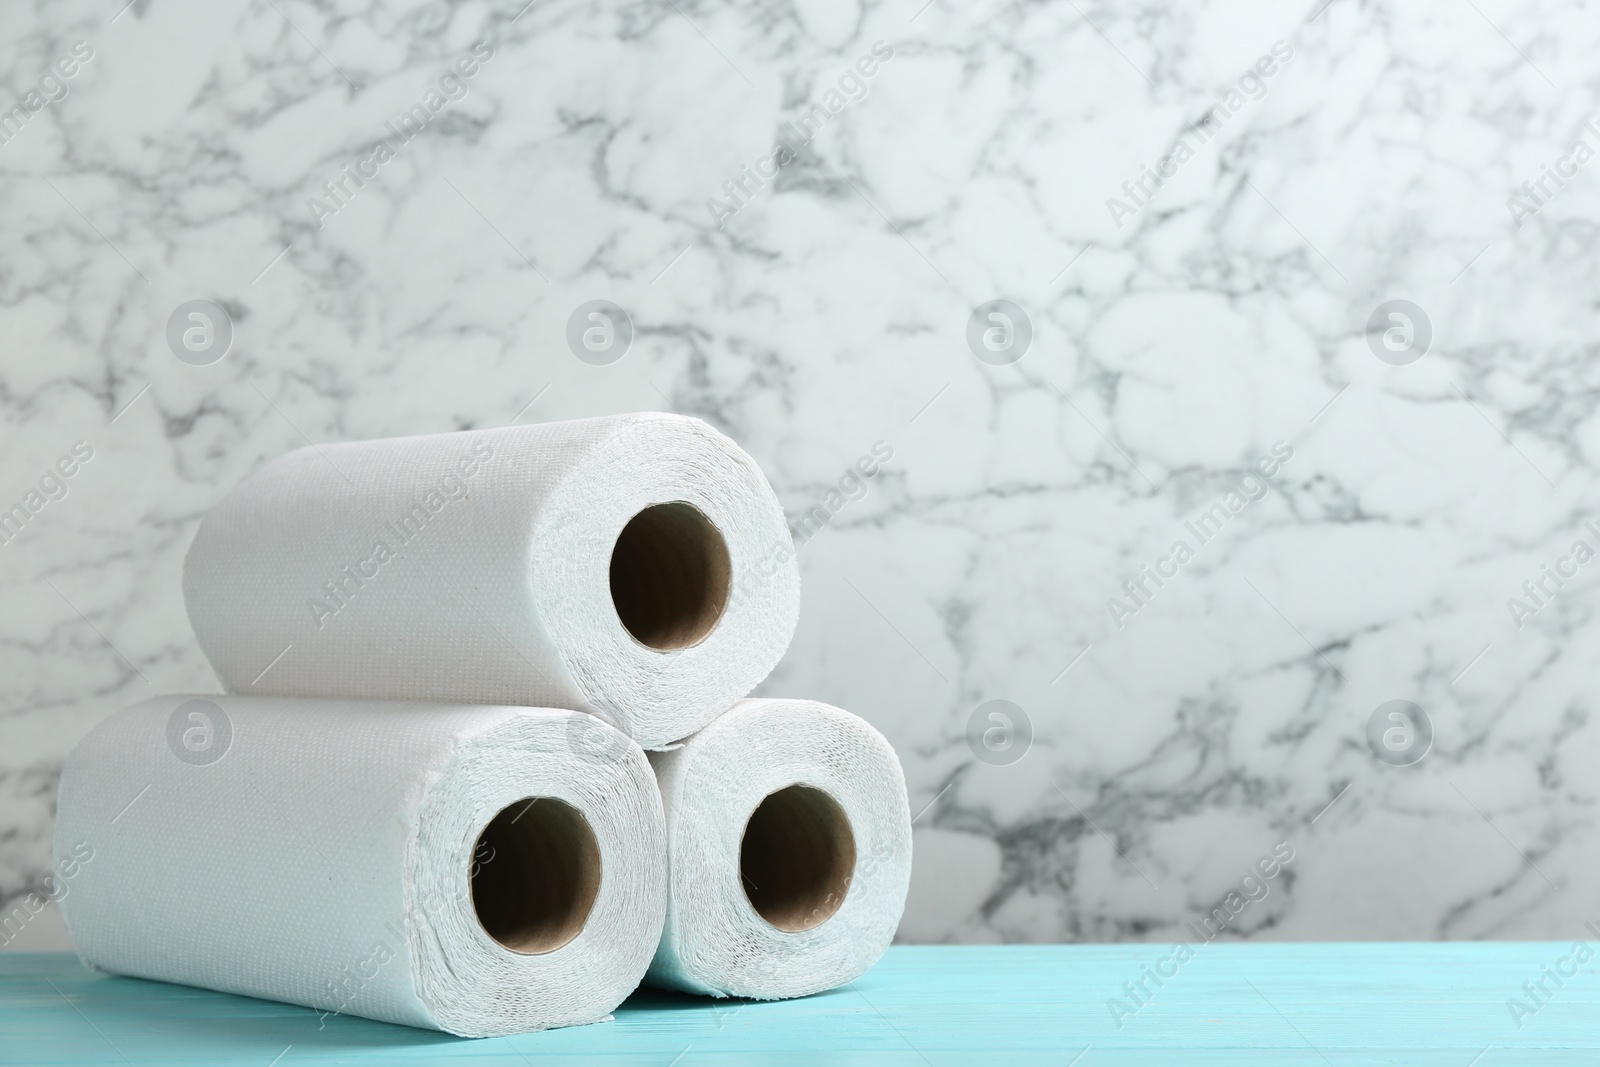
point(789, 854)
point(535, 875)
point(797, 858)
point(670, 576)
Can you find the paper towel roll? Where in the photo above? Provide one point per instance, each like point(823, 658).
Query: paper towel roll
point(636, 566)
point(789, 848)
point(467, 869)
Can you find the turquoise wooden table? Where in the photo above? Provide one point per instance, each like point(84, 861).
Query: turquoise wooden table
point(1280, 1004)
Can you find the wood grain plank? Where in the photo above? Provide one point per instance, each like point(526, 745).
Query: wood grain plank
point(1281, 1004)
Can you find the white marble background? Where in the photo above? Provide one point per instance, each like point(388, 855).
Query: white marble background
point(828, 314)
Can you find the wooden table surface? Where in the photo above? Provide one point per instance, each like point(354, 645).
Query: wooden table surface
point(1281, 1004)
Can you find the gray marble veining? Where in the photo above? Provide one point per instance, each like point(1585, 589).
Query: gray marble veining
point(800, 206)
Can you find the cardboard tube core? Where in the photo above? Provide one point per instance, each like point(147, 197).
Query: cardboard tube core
point(797, 857)
point(535, 873)
point(670, 576)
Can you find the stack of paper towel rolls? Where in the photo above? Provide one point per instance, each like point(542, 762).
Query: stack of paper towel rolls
point(426, 797)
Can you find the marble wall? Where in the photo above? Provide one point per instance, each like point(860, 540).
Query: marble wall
point(1288, 410)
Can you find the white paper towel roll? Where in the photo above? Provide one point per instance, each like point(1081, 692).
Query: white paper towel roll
point(467, 869)
point(636, 566)
point(789, 846)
